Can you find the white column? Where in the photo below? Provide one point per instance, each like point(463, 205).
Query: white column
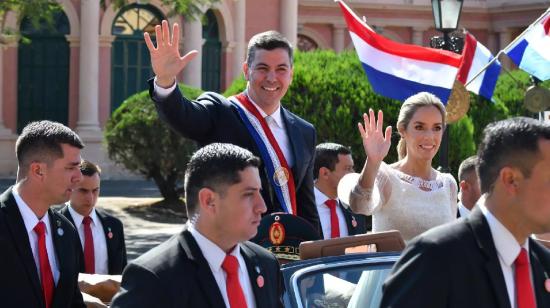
point(289, 20)
point(88, 123)
point(418, 36)
point(192, 39)
point(338, 37)
point(240, 44)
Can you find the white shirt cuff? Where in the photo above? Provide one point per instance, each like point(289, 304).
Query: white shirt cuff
point(161, 92)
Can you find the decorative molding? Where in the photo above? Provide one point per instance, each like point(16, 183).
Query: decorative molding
point(315, 36)
point(106, 40)
point(74, 41)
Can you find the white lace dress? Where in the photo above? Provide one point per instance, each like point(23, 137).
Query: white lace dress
point(411, 205)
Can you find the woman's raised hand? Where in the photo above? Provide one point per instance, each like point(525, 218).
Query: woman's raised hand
point(375, 142)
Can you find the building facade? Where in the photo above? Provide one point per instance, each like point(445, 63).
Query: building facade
point(93, 58)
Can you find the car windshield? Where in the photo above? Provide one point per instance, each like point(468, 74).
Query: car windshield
point(342, 285)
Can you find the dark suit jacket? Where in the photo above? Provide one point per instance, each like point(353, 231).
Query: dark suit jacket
point(456, 265)
point(176, 274)
point(116, 247)
point(212, 118)
point(356, 223)
point(19, 279)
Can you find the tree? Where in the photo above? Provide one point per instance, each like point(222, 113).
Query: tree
point(41, 12)
point(137, 139)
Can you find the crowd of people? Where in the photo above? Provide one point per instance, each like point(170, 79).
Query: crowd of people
point(257, 159)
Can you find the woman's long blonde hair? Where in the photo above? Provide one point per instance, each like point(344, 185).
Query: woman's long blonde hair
point(407, 111)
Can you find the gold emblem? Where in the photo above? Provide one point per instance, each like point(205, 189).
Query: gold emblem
point(281, 176)
point(276, 233)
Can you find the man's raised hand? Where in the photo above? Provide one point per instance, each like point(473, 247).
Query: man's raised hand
point(165, 57)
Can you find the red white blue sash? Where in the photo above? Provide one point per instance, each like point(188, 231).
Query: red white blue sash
point(279, 173)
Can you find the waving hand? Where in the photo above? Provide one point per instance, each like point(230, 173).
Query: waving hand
point(165, 57)
point(375, 142)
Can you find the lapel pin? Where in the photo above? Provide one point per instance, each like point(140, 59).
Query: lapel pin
point(110, 233)
point(60, 231)
point(58, 222)
point(353, 221)
point(547, 285)
point(260, 281)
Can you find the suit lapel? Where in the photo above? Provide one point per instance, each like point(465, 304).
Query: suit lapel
point(349, 219)
point(204, 274)
point(295, 138)
point(484, 239)
point(107, 229)
point(540, 266)
point(62, 251)
point(254, 271)
point(15, 224)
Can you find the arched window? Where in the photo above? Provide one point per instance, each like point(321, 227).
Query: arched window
point(305, 43)
point(130, 62)
point(43, 72)
point(212, 52)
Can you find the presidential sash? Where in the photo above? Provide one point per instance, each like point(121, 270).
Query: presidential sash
point(279, 173)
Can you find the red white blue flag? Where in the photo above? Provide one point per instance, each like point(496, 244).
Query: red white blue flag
point(475, 57)
point(397, 70)
point(531, 51)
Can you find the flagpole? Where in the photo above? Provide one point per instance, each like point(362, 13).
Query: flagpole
point(484, 68)
point(508, 46)
point(528, 28)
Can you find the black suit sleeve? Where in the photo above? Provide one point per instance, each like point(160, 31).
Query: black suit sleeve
point(140, 288)
point(305, 198)
point(419, 279)
point(192, 119)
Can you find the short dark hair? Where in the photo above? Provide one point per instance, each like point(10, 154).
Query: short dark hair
point(268, 40)
point(466, 167)
point(87, 168)
point(41, 142)
point(512, 142)
point(326, 155)
point(215, 166)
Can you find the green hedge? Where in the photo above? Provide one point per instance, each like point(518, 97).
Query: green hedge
point(137, 139)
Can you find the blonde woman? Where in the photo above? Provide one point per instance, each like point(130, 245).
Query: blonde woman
point(408, 195)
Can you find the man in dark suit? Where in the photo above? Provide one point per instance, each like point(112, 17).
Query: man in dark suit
point(210, 263)
point(254, 119)
point(488, 259)
point(105, 253)
point(332, 162)
point(39, 259)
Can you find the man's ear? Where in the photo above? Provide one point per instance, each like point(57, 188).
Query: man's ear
point(324, 172)
point(464, 186)
point(245, 70)
point(207, 199)
point(37, 170)
point(510, 179)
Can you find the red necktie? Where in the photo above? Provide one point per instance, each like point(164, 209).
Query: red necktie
point(89, 258)
point(524, 288)
point(45, 269)
point(234, 291)
point(334, 224)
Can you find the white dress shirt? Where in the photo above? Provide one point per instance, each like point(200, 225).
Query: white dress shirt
point(464, 211)
point(101, 258)
point(274, 121)
point(214, 255)
point(324, 215)
point(30, 220)
point(508, 250)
